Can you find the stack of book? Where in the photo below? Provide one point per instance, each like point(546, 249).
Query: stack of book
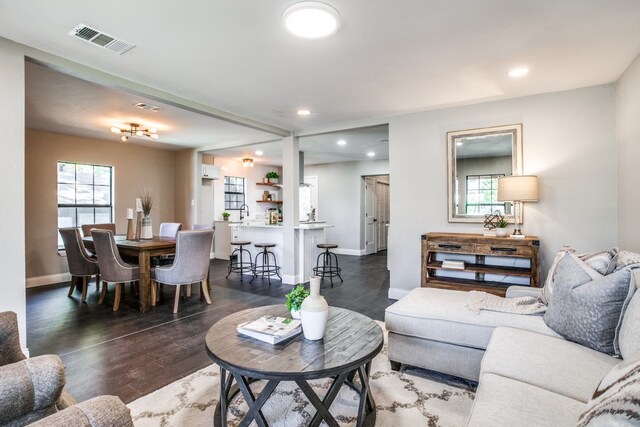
point(271, 329)
point(453, 264)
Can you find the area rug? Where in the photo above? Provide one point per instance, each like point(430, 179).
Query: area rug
point(411, 398)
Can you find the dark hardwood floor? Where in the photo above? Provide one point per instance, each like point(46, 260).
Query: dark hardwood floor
point(129, 354)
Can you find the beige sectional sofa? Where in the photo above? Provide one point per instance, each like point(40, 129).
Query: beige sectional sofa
point(528, 375)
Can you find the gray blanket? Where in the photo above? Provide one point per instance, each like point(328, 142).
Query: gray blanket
point(479, 301)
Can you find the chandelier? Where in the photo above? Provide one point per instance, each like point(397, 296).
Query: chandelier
point(135, 130)
point(247, 163)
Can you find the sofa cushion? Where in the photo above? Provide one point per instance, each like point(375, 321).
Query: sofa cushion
point(586, 308)
point(442, 315)
point(602, 263)
point(629, 335)
point(554, 364)
point(616, 400)
point(503, 402)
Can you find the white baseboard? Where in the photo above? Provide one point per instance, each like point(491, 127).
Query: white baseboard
point(354, 252)
point(34, 282)
point(395, 293)
point(25, 351)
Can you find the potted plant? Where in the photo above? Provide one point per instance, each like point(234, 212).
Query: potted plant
point(501, 227)
point(272, 177)
point(295, 298)
point(225, 216)
point(146, 226)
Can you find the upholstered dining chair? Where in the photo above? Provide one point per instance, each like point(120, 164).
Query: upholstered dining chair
point(191, 265)
point(81, 266)
point(86, 228)
point(169, 229)
point(202, 227)
point(112, 267)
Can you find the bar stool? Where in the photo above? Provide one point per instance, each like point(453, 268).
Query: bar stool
point(329, 267)
point(236, 260)
point(267, 268)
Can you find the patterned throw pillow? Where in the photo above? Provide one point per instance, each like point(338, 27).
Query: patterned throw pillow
point(616, 401)
point(626, 258)
point(587, 307)
point(603, 262)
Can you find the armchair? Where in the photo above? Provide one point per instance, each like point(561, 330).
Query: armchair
point(31, 390)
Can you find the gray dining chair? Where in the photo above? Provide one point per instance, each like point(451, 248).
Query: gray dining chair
point(112, 268)
point(169, 229)
point(191, 265)
point(202, 227)
point(86, 228)
point(81, 266)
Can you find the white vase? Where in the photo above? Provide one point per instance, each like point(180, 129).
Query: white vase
point(146, 231)
point(295, 314)
point(314, 312)
point(501, 232)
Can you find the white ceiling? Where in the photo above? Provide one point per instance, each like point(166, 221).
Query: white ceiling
point(388, 58)
point(322, 148)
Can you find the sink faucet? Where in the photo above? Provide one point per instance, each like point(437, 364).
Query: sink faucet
point(242, 209)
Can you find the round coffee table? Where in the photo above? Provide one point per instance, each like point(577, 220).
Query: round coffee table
point(350, 343)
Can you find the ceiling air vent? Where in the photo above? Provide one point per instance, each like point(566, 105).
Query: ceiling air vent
point(101, 39)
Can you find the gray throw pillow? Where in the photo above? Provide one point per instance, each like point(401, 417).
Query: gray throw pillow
point(587, 309)
point(615, 401)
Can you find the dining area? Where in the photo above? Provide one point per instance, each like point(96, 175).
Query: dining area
point(176, 258)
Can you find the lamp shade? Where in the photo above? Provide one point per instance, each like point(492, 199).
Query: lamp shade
point(518, 188)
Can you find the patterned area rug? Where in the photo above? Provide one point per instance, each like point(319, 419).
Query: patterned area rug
point(411, 398)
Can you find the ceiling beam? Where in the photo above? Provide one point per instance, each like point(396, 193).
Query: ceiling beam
point(104, 79)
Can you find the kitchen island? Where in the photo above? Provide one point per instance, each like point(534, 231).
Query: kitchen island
point(307, 236)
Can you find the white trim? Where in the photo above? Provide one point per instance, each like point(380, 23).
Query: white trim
point(396, 293)
point(25, 351)
point(355, 252)
point(289, 279)
point(34, 282)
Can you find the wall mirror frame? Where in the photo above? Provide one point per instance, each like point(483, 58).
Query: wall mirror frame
point(476, 158)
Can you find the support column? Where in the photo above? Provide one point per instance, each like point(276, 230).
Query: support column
point(290, 208)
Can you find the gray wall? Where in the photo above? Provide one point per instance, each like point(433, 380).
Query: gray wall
point(628, 136)
point(568, 141)
point(12, 248)
point(339, 199)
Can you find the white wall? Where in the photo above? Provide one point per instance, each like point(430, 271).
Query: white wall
point(12, 229)
point(628, 139)
point(233, 167)
point(568, 141)
point(340, 201)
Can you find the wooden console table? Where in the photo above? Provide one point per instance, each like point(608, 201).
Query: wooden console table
point(479, 247)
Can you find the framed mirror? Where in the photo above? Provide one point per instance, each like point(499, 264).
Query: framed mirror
point(476, 159)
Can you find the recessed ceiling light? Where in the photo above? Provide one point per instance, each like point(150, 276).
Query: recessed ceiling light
point(342, 142)
point(371, 154)
point(259, 153)
point(311, 19)
point(304, 112)
point(519, 72)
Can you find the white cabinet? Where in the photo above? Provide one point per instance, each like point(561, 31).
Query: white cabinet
point(210, 172)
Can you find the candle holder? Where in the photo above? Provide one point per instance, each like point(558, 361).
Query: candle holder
point(130, 232)
point(138, 224)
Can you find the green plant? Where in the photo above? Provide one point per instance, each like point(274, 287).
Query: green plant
point(272, 175)
point(296, 296)
point(502, 223)
point(226, 214)
point(147, 202)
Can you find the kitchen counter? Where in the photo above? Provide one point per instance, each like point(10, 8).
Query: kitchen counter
point(308, 235)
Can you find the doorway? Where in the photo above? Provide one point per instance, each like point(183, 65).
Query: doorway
point(376, 213)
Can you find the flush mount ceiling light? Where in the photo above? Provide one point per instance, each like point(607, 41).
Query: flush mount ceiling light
point(311, 19)
point(247, 162)
point(342, 142)
point(134, 130)
point(519, 72)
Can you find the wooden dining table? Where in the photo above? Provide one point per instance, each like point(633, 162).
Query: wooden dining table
point(143, 249)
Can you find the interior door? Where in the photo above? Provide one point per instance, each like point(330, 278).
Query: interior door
point(369, 215)
point(382, 215)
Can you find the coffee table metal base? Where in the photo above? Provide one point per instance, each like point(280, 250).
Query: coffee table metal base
point(366, 407)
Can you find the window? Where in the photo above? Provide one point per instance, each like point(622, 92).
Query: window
point(482, 195)
point(85, 195)
point(233, 193)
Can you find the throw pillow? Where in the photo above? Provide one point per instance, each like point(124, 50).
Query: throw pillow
point(615, 401)
point(587, 308)
point(626, 258)
point(603, 262)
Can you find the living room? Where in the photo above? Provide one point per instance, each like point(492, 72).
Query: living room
point(578, 106)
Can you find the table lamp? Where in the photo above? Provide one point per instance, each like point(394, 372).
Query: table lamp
point(518, 189)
